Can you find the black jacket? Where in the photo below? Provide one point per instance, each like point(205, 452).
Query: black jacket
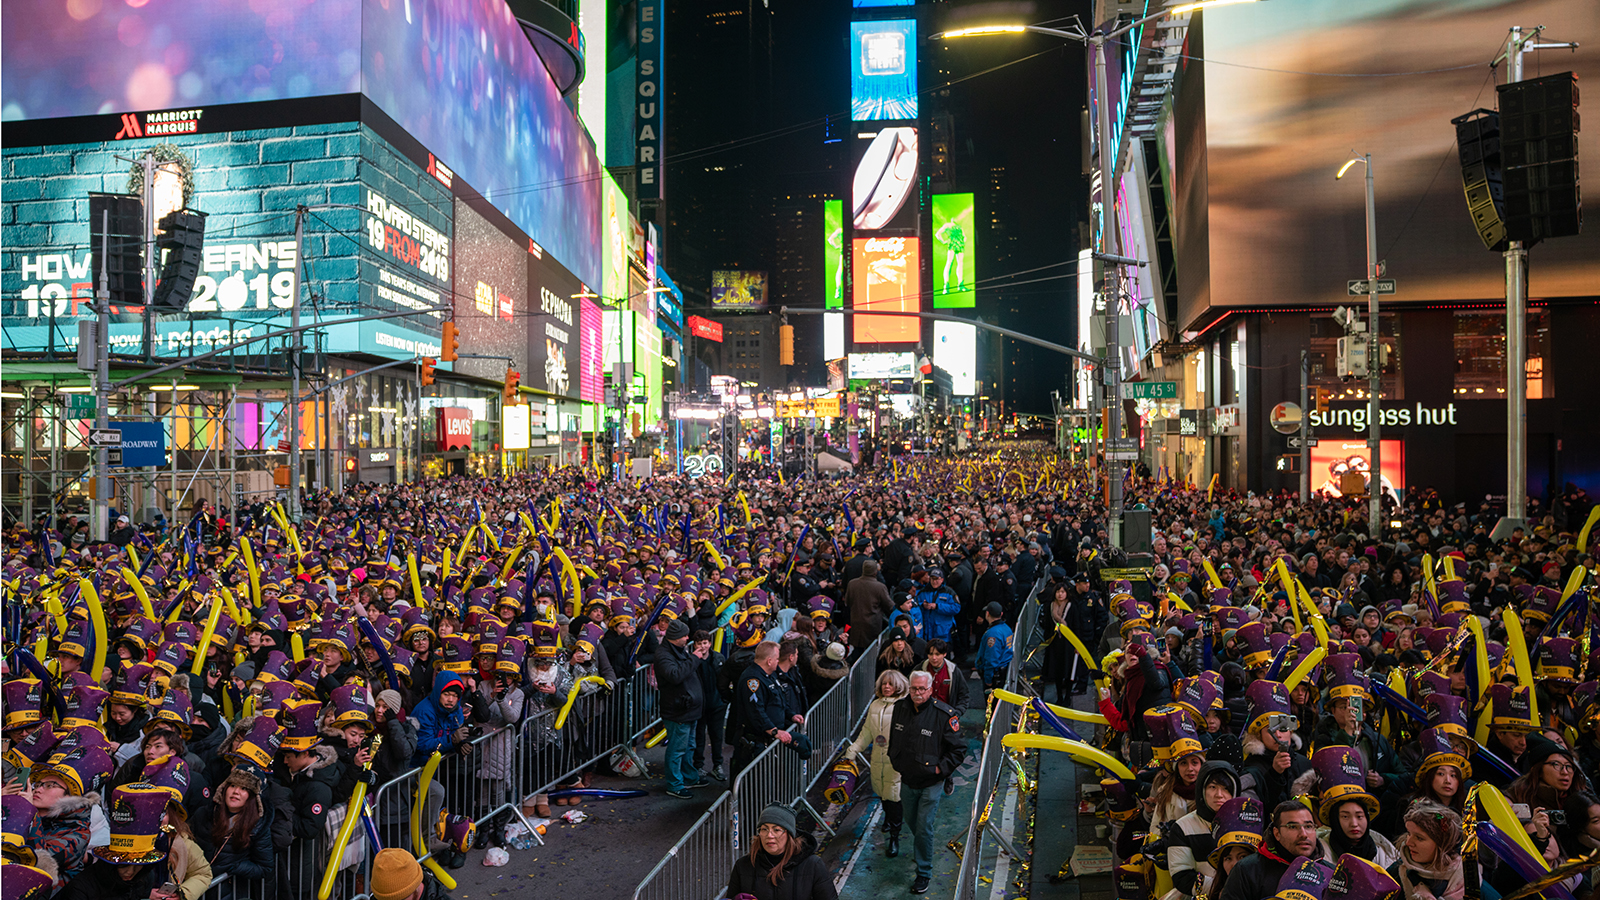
point(925, 745)
point(312, 790)
point(762, 702)
point(1256, 875)
point(711, 700)
point(1270, 786)
point(805, 878)
point(676, 675)
point(100, 881)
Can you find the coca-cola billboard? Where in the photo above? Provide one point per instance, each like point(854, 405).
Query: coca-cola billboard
point(455, 428)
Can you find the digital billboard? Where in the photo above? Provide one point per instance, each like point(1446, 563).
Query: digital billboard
point(868, 4)
point(738, 289)
point(514, 423)
point(883, 70)
point(614, 239)
point(392, 253)
point(887, 276)
point(884, 186)
point(591, 355)
point(878, 366)
point(492, 305)
point(553, 330)
point(833, 253)
point(955, 350)
point(1255, 157)
point(832, 335)
point(1332, 457)
point(955, 252)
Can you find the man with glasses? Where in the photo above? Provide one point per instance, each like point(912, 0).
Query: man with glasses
point(925, 747)
point(1293, 833)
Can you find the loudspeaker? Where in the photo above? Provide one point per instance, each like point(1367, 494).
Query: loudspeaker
point(1478, 142)
point(1539, 143)
point(123, 241)
point(1136, 531)
point(183, 242)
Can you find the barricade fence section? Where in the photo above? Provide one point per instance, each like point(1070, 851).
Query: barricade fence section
point(698, 864)
point(1003, 719)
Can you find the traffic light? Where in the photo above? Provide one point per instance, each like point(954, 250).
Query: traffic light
point(513, 378)
point(1324, 399)
point(450, 341)
point(427, 371)
point(183, 242)
point(785, 345)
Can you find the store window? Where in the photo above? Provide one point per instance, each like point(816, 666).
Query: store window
point(1480, 345)
point(1322, 355)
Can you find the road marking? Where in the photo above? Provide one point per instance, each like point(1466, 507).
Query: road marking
point(866, 838)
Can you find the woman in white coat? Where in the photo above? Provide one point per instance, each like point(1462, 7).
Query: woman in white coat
point(892, 686)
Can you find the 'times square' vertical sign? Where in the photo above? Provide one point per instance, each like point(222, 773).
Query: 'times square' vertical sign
point(649, 97)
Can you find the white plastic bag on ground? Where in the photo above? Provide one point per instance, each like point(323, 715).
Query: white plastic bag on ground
point(496, 856)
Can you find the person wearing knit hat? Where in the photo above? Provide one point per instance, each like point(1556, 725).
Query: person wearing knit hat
point(1189, 839)
point(782, 862)
point(396, 875)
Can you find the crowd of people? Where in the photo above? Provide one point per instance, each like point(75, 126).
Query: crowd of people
point(207, 700)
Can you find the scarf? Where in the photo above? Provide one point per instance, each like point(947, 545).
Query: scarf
point(1445, 869)
point(1366, 848)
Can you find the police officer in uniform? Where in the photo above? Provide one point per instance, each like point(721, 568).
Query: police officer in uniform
point(763, 706)
point(926, 748)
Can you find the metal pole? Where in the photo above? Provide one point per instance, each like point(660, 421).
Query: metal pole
point(102, 381)
point(1305, 430)
point(1516, 257)
point(1374, 365)
point(1109, 245)
point(148, 162)
point(294, 370)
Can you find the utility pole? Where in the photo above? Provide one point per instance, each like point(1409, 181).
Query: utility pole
point(1305, 430)
point(102, 384)
point(294, 368)
point(1374, 365)
point(1111, 291)
point(148, 163)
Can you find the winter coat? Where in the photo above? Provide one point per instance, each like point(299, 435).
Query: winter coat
point(1257, 875)
point(676, 675)
point(496, 755)
point(821, 674)
point(1421, 882)
point(1268, 785)
point(925, 744)
point(870, 610)
point(190, 869)
point(100, 881)
point(436, 726)
point(252, 861)
point(63, 832)
point(959, 690)
point(940, 621)
point(875, 734)
point(312, 790)
point(805, 878)
point(712, 702)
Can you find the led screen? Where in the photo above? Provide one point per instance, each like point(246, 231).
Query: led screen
point(884, 185)
point(887, 277)
point(514, 422)
point(591, 356)
point(883, 70)
point(868, 4)
point(463, 80)
point(554, 330)
point(492, 304)
point(955, 350)
point(614, 284)
point(833, 253)
point(91, 57)
point(874, 366)
point(832, 335)
point(1332, 457)
point(955, 252)
point(1256, 156)
point(738, 289)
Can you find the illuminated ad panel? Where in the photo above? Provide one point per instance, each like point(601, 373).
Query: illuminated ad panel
point(1332, 457)
point(591, 355)
point(554, 341)
point(955, 350)
point(614, 249)
point(492, 304)
point(887, 277)
point(955, 252)
point(833, 253)
point(883, 70)
point(738, 289)
point(884, 186)
point(514, 422)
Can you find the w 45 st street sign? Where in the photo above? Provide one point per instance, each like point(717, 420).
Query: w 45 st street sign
point(1149, 390)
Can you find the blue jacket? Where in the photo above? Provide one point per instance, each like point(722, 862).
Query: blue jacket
point(435, 725)
point(994, 654)
point(937, 623)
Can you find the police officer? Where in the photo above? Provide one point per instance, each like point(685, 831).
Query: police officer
point(995, 648)
point(802, 586)
point(926, 748)
point(763, 706)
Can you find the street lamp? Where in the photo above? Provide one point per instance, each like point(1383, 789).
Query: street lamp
point(1097, 41)
point(1374, 352)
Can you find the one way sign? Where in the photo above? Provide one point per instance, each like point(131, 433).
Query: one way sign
point(1358, 287)
point(105, 437)
point(1295, 440)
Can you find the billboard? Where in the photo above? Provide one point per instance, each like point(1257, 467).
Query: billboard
point(514, 422)
point(888, 276)
point(648, 99)
point(833, 253)
point(955, 252)
point(955, 350)
point(591, 355)
point(875, 366)
point(1332, 457)
point(1255, 159)
point(832, 335)
point(553, 330)
point(738, 289)
point(708, 329)
point(614, 239)
point(883, 70)
point(868, 4)
point(492, 305)
point(391, 254)
point(884, 185)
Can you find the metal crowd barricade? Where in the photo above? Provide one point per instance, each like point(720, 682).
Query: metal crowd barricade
point(697, 865)
point(391, 809)
point(1003, 719)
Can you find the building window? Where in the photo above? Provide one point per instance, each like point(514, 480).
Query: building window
point(1322, 355)
point(1480, 345)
